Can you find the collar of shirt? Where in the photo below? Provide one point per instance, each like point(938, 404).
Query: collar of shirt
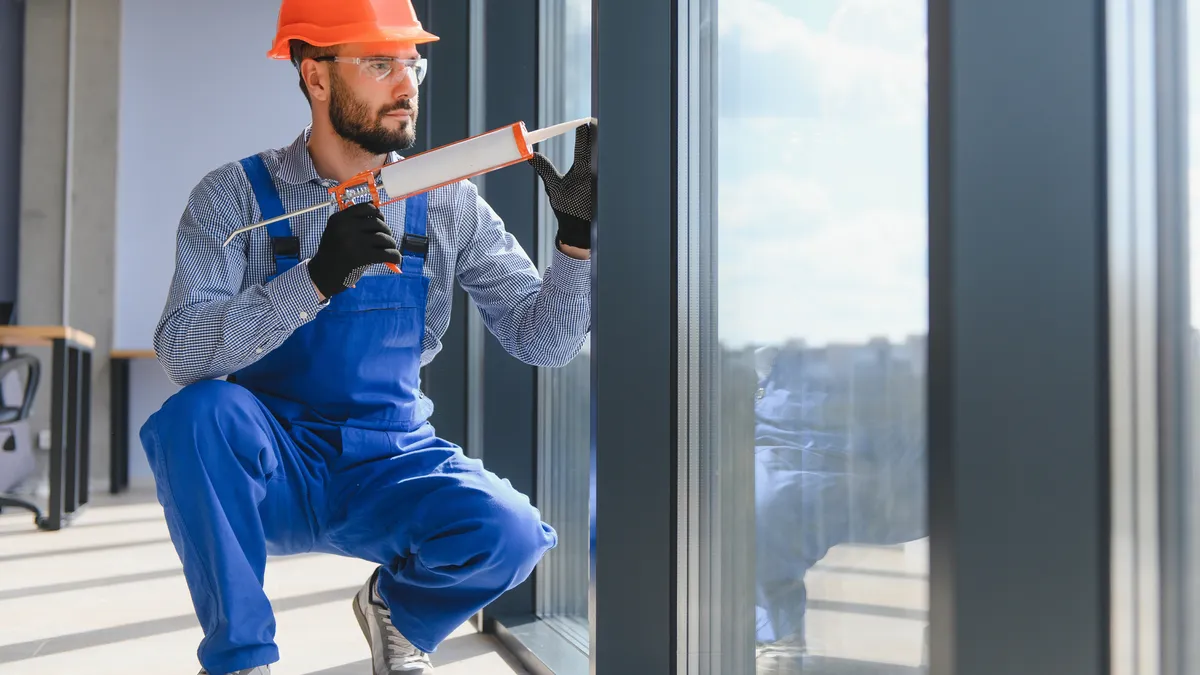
point(296, 165)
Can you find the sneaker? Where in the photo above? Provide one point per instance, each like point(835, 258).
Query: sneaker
point(786, 657)
point(261, 670)
point(391, 652)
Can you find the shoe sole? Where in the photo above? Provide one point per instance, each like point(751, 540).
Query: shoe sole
point(362, 620)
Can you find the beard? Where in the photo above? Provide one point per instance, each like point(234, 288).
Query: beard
point(353, 121)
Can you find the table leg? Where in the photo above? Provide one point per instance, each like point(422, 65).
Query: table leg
point(118, 469)
point(85, 425)
point(71, 433)
point(58, 436)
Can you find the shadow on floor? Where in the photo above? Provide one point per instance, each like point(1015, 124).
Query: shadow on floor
point(87, 583)
point(77, 525)
point(454, 650)
point(93, 638)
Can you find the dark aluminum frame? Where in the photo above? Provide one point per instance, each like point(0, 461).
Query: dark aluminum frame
point(635, 607)
point(1019, 338)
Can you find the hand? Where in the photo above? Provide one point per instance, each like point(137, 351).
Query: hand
point(572, 196)
point(354, 239)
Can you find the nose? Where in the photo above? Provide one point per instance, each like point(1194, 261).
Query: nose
point(406, 87)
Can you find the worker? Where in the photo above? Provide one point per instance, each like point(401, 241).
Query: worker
point(301, 425)
point(839, 459)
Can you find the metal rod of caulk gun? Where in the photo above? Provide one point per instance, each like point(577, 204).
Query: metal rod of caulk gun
point(323, 205)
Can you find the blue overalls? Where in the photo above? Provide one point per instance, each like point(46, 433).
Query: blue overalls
point(324, 445)
point(834, 464)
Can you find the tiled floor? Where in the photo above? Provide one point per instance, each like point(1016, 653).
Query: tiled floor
point(106, 596)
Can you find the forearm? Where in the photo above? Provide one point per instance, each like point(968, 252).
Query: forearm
point(202, 337)
point(548, 327)
point(542, 322)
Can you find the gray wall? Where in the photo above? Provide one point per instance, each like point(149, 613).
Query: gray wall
point(12, 22)
point(68, 185)
point(187, 106)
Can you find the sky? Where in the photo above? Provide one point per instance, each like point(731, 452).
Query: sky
point(822, 170)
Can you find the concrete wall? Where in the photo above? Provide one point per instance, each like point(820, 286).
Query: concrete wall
point(12, 52)
point(68, 186)
point(187, 106)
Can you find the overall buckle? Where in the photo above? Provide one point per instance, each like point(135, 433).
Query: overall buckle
point(415, 244)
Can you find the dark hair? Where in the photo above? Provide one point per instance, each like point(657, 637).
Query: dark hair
point(301, 50)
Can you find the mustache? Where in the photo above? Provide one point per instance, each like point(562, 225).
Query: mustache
point(406, 105)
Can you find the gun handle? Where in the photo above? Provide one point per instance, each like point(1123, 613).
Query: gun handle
point(355, 184)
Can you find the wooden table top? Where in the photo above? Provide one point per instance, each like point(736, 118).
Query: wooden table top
point(43, 336)
point(133, 354)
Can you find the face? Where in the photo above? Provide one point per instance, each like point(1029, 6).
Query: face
point(378, 115)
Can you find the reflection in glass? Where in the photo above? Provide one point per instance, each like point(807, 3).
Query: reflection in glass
point(1187, 497)
point(564, 418)
point(821, 235)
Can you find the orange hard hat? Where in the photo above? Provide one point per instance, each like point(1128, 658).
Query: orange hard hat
point(329, 22)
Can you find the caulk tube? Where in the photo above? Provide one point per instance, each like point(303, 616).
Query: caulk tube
point(466, 158)
point(456, 161)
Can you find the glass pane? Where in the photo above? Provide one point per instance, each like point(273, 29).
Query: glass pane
point(565, 393)
point(1185, 497)
point(821, 318)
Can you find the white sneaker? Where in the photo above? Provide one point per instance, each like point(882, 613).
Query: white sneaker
point(261, 670)
point(785, 657)
point(391, 652)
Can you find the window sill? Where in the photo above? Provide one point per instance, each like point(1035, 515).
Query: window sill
point(540, 648)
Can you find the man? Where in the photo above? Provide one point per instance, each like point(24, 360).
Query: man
point(319, 438)
point(839, 458)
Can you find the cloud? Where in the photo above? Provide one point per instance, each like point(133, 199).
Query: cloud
point(822, 229)
point(795, 267)
point(869, 62)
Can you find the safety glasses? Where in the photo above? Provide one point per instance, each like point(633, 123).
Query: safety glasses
point(389, 69)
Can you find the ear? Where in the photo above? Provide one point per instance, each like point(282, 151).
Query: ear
point(316, 78)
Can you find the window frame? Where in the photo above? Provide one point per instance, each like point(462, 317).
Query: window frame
point(635, 608)
point(1017, 103)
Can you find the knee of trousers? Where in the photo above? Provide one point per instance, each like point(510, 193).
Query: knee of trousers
point(513, 537)
point(212, 425)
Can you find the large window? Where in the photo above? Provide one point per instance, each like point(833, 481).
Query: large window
point(820, 235)
point(564, 412)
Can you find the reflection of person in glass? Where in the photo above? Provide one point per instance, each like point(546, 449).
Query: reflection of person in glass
point(839, 459)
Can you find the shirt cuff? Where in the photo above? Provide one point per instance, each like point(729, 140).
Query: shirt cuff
point(294, 297)
point(572, 275)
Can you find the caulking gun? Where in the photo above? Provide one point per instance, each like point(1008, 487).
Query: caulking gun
point(434, 168)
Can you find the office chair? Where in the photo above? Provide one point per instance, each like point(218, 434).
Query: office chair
point(33, 368)
point(11, 417)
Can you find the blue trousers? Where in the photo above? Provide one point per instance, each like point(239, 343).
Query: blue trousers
point(237, 483)
point(808, 501)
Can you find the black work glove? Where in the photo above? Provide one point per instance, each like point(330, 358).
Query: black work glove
point(571, 196)
point(354, 239)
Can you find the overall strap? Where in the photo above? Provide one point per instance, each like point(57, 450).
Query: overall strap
point(284, 245)
point(415, 243)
